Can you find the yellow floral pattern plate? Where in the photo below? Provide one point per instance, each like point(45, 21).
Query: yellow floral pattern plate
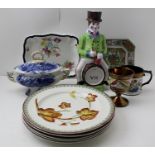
point(68, 109)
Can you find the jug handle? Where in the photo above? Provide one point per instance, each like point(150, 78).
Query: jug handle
point(151, 75)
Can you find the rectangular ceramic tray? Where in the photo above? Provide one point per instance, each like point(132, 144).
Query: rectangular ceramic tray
point(56, 48)
point(120, 52)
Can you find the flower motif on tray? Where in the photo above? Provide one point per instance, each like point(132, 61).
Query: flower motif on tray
point(50, 46)
point(84, 114)
point(68, 64)
point(116, 57)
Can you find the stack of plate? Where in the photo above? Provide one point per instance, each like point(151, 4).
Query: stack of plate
point(67, 113)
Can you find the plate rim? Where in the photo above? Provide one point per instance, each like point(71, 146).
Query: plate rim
point(62, 140)
point(66, 135)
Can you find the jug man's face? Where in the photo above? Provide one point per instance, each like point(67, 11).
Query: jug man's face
point(94, 27)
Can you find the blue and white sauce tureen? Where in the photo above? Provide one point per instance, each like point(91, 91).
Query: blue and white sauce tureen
point(38, 73)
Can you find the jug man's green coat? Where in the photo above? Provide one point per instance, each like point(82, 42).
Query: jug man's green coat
point(88, 43)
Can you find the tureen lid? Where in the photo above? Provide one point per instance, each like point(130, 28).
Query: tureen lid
point(37, 66)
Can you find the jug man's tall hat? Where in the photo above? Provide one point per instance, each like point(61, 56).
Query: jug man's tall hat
point(93, 16)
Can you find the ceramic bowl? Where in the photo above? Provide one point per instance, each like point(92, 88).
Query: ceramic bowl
point(38, 73)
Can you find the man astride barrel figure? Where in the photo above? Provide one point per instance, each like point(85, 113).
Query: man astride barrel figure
point(92, 45)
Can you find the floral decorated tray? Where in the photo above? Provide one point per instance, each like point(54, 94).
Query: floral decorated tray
point(60, 49)
point(68, 109)
point(120, 52)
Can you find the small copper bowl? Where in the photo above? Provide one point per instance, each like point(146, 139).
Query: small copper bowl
point(121, 78)
point(121, 73)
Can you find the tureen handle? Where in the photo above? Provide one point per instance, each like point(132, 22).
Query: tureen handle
point(66, 72)
point(11, 76)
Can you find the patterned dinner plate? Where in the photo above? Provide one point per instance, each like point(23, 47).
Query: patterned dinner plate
point(68, 109)
point(60, 49)
point(70, 136)
point(66, 139)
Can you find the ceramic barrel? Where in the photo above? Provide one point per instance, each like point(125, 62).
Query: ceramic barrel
point(93, 74)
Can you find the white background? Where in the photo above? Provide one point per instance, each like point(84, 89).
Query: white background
point(16, 24)
point(133, 125)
